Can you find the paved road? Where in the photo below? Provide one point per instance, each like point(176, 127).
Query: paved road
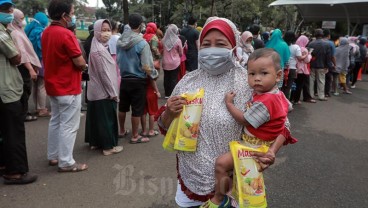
point(327, 168)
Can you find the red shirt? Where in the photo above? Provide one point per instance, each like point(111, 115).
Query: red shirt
point(59, 47)
point(277, 106)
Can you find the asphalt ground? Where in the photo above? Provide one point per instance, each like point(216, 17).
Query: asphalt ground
point(327, 168)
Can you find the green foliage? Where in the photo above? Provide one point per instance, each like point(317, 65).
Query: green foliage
point(30, 8)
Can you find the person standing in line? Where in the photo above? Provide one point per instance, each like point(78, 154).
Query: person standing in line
point(171, 58)
point(321, 61)
point(136, 66)
point(295, 55)
point(331, 68)
point(359, 60)
point(342, 64)
point(34, 32)
point(302, 80)
point(101, 121)
point(258, 42)
point(13, 152)
point(63, 63)
point(29, 64)
point(191, 35)
point(152, 93)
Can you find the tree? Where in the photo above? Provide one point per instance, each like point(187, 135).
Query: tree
point(30, 8)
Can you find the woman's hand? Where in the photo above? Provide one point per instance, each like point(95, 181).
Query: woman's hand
point(175, 106)
point(158, 94)
point(229, 97)
point(33, 75)
point(264, 160)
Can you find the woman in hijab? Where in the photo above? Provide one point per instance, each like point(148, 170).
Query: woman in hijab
point(171, 58)
point(278, 44)
point(151, 37)
point(342, 64)
point(245, 48)
point(302, 80)
point(196, 175)
point(34, 32)
point(102, 94)
point(30, 64)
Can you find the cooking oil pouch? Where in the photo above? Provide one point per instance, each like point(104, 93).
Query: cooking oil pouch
point(170, 137)
point(248, 184)
point(185, 131)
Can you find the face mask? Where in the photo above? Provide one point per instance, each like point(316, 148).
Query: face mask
point(72, 22)
point(105, 37)
point(24, 23)
point(6, 18)
point(215, 60)
point(21, 24)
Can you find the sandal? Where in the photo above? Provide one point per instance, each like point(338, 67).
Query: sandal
point(112, 151)
point(224, 204)
point(23, 179)
point(73, 168)
point(30, 118)
point(139, 139)
point(126, 132)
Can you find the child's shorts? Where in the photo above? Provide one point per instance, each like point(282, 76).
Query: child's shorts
point(342, 78)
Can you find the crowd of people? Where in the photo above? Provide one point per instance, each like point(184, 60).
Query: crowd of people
point(117, 68)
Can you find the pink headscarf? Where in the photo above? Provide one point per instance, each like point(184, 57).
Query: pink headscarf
point(102, 67)
point(302, 41)
point(24, 45)
point(243, 39)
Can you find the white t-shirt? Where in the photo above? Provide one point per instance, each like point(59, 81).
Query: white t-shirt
point(112, 43)
point(295, 51)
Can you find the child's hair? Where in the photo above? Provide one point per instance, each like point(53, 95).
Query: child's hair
point(266, 52)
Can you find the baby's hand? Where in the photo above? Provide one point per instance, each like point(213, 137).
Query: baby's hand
point(229, 97)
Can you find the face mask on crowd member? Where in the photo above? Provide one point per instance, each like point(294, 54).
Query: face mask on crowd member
point(103, 34)
point(216, 60)
point(6, 18)
point(216, 54)
point(72, 20)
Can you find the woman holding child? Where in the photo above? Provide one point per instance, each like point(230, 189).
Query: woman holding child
point(218, 74)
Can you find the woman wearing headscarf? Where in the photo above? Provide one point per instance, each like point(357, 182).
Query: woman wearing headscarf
point(171, 58)
point(34, 32)
point(302, 80)
point(101, 121)
point(278, 44)
point(217, 74)
point(243, 52)
point(342, 64)
point(29, 63)
point(151, 37)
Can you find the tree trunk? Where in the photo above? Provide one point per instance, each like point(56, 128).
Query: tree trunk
point(212, 7)
point(126, 11)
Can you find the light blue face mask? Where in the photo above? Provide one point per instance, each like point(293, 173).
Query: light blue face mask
point(72, 22)
point(6, 18)
point(215, 60)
